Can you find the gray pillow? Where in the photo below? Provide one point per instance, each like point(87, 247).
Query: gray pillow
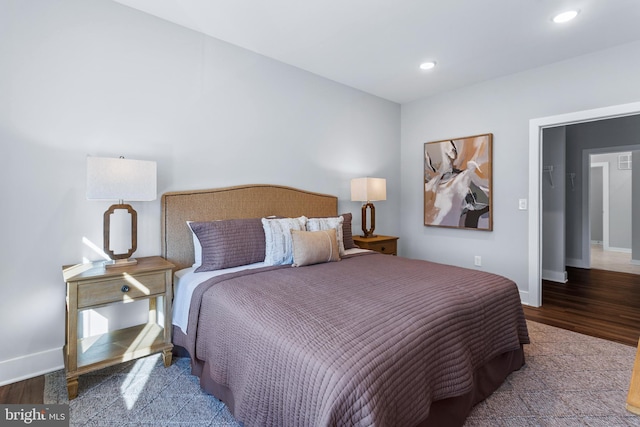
point(347, 234)
point(230, 243)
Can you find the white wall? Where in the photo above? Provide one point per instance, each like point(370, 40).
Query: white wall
point(503, 107)
point(93, 77)
point(596, 200)
point(554, 183)
point(620, 197)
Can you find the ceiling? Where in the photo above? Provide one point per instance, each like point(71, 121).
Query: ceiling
point(377, 45)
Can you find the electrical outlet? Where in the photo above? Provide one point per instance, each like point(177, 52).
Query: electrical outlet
point(477, 261)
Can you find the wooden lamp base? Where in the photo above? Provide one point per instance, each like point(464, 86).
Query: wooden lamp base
point(368, 232)
point(120, 260)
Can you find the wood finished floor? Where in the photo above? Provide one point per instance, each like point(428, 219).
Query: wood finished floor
point(600, 303)
point(29, 391)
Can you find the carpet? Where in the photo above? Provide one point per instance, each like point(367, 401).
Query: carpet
point(569, 380)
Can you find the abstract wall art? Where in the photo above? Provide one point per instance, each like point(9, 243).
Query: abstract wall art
point(458, 183)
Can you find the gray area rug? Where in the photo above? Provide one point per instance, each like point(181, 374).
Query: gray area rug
point(569, 380)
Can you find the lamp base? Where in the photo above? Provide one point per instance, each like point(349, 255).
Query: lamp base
point(120, 260)
point(123, 262)
point(368, 232)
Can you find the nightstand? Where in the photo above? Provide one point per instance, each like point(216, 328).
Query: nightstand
point(384, 244)
point(90, 286)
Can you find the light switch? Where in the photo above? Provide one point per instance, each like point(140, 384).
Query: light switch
point(522, 204)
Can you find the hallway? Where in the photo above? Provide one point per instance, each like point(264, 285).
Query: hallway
point(612, 261)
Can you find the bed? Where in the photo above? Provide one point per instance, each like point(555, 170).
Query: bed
point(354, 339)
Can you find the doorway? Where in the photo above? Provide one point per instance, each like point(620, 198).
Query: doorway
point(610, 211)
point(534, 294)
point(576, 202)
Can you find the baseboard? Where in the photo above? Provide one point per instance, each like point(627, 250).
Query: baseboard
point(635, 261)
point(31, 365)
point(623, 250)
point(575, 262)
point(524, 297)
point(554, 276)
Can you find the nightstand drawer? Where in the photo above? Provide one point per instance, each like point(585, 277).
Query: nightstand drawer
point(388, 247)
point(122, 288)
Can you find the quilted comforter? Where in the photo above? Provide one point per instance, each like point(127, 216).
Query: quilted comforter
point(369, 340)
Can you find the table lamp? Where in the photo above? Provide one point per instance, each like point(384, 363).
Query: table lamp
point(368, 190)
point(120, 179)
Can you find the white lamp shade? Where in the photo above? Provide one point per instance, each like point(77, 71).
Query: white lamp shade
point(368, 189)
point(121, 179)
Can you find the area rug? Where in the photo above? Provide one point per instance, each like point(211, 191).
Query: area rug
point(569, 380)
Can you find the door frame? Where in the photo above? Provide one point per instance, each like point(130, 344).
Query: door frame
point(605, 201)
point(536, 126)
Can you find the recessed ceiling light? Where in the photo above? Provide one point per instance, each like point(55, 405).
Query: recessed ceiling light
point(565, 16)
point(427, 65)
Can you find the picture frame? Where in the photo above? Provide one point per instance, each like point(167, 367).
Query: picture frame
point(458, 183)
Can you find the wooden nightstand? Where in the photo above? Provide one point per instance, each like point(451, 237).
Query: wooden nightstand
point(383, 244)
point(90, 286)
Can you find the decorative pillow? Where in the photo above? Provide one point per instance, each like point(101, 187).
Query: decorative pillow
point(197, 247)
point(229, 243)
point(347, 234)
point(277, 233)
point(317, 224)
point(314, 247)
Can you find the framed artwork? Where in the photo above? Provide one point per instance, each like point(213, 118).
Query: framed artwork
point(458, 183)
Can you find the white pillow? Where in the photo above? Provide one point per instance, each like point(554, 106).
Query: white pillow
point(197, 248)
point(277, 235)
point(319, 224)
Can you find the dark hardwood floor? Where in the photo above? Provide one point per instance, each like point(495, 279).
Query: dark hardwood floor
point(600, 303)
point(604, 304)
point(23, 392)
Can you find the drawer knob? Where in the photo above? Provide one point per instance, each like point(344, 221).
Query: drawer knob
point(382, 248)
point(125, 288)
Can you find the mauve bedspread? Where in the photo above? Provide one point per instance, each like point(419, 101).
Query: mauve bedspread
point(370, 340)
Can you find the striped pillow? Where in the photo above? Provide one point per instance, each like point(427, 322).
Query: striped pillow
point(277, 234)
point(229, 243)
point(347, 233)
point(335, 223)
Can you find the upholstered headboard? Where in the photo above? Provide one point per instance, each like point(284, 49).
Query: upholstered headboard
point(244, 201)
